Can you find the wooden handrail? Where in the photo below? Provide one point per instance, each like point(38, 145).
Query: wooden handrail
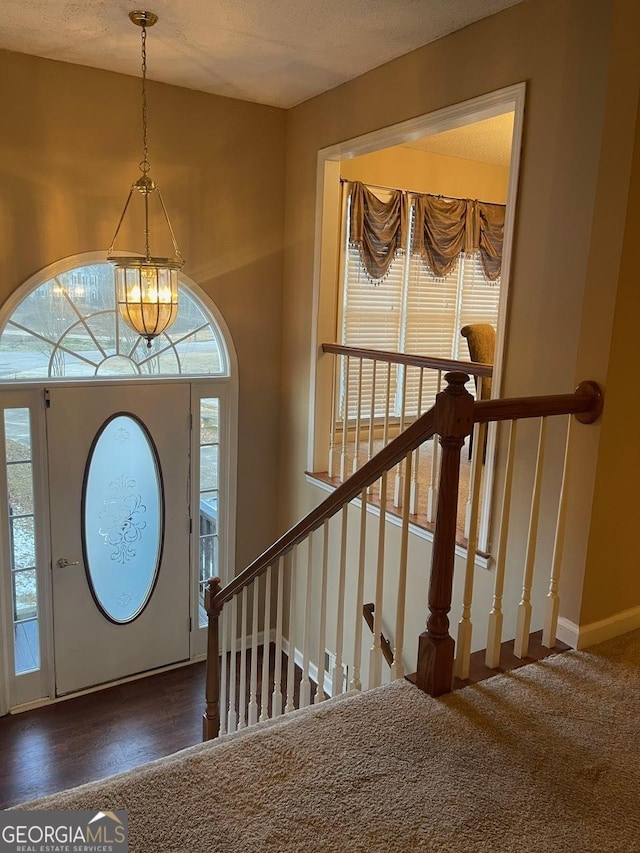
point(585, 403)
point(473, 368)
point(394, 452)
point(367, 611)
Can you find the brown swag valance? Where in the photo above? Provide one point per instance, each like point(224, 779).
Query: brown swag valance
point(444, 227)
point(378, 228)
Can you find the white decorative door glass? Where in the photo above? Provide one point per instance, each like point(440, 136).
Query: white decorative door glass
point(119, 505)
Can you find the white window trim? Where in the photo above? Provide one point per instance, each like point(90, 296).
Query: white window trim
point(327, 251)
point(14, 690)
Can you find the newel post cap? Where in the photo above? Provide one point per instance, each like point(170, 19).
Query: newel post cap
point(211, 590)
point(454, 407)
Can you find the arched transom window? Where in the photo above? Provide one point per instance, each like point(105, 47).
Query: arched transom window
point(69, 327)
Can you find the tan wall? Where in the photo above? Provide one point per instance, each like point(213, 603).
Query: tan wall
point(559, 322)
point(613, 580)
point(424, 172)
point(69, 150)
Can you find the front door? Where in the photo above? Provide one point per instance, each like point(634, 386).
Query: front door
point(119, 504)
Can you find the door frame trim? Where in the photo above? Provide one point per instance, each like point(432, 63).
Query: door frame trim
point(33, 394)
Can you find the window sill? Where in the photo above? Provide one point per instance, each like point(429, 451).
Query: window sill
point(322, 481)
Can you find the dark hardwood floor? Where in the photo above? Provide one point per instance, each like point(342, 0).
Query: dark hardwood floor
point(89, 737)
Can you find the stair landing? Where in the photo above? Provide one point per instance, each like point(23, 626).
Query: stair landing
point(478, 671)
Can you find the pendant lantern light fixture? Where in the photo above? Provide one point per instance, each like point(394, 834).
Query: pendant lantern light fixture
point(146, 286)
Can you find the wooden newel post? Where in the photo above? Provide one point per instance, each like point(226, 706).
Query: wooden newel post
point(454, 421)
point(211, 717)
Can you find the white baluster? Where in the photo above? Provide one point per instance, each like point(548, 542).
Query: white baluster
point(334, 416)
point(465, 628)
point(375, 655)
point(305, 685)
point(337, 679)
point(397, 489)
point(397, 667)
point(345, 422)
point(467, 510)
point(494, 632)
point(356, 683)
point(356, 450)
point(432, 494)
point(253, 693)
point(276, 699)
point(223, 670)
point(242, 700)
point(372, 410)
point(322, 626)
point(469, 504)
point(415, 482)
point(291, 657)
point(387, 406)
point(232, 719)
point(523, 622)
point(552, 605)
point(266, 648)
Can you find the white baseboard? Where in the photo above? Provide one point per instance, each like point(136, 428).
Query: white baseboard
point(584, 636)
point(298, 656)
point(567, 632)
point(313, 669)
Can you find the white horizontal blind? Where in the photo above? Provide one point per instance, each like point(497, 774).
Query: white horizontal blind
point(372, 310)
point(479, 302)
point(372, 314)
point(430, 324)
point(411, 310)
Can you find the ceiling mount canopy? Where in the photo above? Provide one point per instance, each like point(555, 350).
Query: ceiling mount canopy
point(143, 19)
point(146, 285)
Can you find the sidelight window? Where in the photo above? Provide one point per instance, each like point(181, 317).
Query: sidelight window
point(22, 539)
point(209, 495)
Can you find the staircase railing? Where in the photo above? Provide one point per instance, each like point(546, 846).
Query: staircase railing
point(377, 394)
point(456, 413)
point(238, 660)
point(272, 561)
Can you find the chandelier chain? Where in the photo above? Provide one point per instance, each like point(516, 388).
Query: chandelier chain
point(144, 165)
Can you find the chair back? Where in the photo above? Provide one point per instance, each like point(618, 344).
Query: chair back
point(481, 340)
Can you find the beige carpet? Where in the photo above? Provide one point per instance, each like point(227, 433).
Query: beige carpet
point(545, 759)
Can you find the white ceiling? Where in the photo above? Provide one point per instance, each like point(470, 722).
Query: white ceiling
point(277, 52)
